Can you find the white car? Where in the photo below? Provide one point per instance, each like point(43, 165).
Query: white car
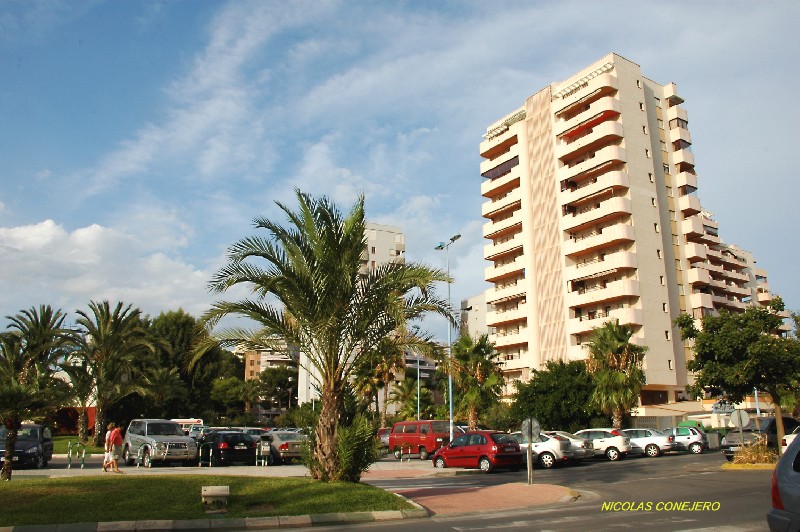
point(649, 442)
point(609, 442)
point(581, 447)
point(788, 439)
point(547, 451)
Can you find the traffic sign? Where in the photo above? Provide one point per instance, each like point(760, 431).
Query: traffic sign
point(739, 418)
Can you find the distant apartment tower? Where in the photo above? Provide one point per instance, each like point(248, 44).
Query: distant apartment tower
point(472, 318)
point(592, 216)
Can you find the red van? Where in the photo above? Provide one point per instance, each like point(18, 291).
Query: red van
point(419, 437)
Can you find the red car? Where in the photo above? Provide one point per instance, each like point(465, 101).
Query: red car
point(483, 449)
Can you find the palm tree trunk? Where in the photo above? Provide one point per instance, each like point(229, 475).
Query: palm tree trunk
point(98, 439)
point(616, 418)
point(12, 425)
point(473, 418)
point(326, 461)
point(385, 404)
point(83, 425)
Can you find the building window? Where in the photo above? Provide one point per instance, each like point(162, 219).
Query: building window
point(666, 168)
point(639, 83)
point(653, 202)
point(658, 253)
point(655, 226)
point(373, 250)
point(669, 364)
point(641, 106)
point(647, 153)
point(666, 335)
point(664, 307)
point(661, 278)
point(650, 176)
point(644, 130)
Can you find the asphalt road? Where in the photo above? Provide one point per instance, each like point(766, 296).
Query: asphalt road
point(638, 493)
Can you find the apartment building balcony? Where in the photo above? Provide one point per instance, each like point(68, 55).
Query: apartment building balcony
point(730, 260)
point(683, 157)
point(496, 145)
point(687, 181)
point(502, 164)
point(496, 318)
point(679, 133)
point(735, 275)
point(695, 252)
point(585, 323)
point(604, 156)
point(507, 293)
point(493, 229)
point(598, 111)
point(575, 94)
point(622, 260)
point(577, 352)
point(671, 94)
point(582, 243)
point(497, 249)
point(723, 288)
point(689, 205)
point(692, 228)
point(611, 180)
point(503, 341)
point(700, 300)
point(594, 213)
point(728, 302)
point(698, 277)
point(623, 289)
point(593, 139)
point(495, 273)
point(502, 204)
point(763, 296)
point(676, 111)
point(497, 186)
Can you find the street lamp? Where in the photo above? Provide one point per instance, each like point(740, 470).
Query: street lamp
point(446, 247)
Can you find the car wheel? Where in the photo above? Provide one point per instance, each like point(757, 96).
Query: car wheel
point(485, 465)
point(729, 457)
point(696, 448)
point(652, 450)
point(547, 460)
point(398, 453)
point(40, 462)
point(423, 453)
point(147, 461)
point(275, 458)
point(612, 454)
point(215, 460)
point(440, 463)
point(126, 456)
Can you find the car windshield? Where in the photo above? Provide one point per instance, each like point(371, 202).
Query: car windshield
point(23, 433)
point(499, 437)
point(164, 429)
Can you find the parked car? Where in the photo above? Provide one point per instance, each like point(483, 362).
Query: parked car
point(34, 446)
point(547, 451)
point(383, 436)
point(157, 440)
point(581, 447)
point(484, 449)
point(197, 431)
point(419, 437)
point(785, 512)
point(283, 446)
point(255, 432)
point(610, 443)
point(788, 439)
point(691, 439)
point(757, 428)
point(649, 442)
point(225, 447)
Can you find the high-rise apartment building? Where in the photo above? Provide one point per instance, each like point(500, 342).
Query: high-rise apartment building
point(592, 215)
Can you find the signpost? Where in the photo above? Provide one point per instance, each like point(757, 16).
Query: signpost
point(739, 418)
point(530, 430)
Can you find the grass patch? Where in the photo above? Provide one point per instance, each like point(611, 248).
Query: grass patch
point(61, 444)
point(45, 501)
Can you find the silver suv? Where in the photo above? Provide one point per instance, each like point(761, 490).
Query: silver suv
point(157, 440)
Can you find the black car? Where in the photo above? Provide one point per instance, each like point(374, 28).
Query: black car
point(224, 447)
point(34, 446)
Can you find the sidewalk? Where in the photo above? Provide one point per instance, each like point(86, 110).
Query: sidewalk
point(429, 501)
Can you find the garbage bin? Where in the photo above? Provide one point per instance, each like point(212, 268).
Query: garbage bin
point(714, 440)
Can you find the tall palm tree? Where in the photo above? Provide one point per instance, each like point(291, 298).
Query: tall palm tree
point(163, 385)
point(29, 355)
point(617, 367)
point(476, 374)
point(327, 307)
point(111, 341)
point(405, 394)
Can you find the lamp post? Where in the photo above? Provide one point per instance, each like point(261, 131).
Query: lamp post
point(446, 247)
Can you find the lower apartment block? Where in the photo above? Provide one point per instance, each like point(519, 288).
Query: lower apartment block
point(592, 214)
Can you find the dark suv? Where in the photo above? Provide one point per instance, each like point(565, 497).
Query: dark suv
point(34, 446)
point(759, 427)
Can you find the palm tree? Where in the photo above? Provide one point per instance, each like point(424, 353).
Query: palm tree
point(617, 367)
point(163, 385)
point(476, 374)
point(327, 307)
point(29, 355)
point(81, 386)
point(405, 394)
point(111, 342)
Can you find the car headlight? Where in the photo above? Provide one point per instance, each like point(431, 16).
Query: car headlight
point(32, 450)
point(160, 445)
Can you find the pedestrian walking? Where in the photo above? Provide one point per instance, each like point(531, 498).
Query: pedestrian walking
point(107, 449)
point(116, 448)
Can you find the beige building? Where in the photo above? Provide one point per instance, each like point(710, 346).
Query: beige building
point(592, 215)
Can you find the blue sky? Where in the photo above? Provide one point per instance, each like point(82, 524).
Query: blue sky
point(139, 139)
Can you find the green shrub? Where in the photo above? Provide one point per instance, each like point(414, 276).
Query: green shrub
point(357, 449)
